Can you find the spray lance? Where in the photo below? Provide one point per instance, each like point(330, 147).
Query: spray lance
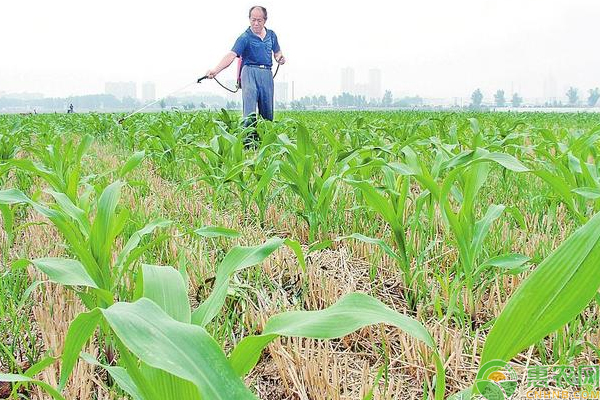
point(238, 86)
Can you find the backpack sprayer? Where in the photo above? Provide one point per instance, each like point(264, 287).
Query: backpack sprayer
point(238, 86)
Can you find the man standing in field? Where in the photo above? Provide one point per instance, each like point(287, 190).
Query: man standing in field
point(255, 47)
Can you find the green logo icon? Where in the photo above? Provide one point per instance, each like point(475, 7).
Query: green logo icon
point(496, 380)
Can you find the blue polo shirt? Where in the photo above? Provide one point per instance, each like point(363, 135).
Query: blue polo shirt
point(255, 51)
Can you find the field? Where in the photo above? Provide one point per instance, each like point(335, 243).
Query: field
point(348, 255)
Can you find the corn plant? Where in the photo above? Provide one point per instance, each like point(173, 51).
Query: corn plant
point(165, 353)
point(59, 163)
point(571, 168)
point(90, 229)
point(11, 143)
point(316, 189)
point(551, 296)
point(224, 165)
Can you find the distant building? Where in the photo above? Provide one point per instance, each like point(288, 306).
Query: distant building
point(121, 90)
point(348, 80)
point(370, 90)
point(550, 89)
point(148, 91)
point(281, 92)
point(374, 89)
point(361, 89)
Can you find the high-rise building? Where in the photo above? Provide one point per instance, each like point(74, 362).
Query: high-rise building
point(348, 80)
point(292, 91)
point(121, 90)
point(281, 92)
point(361, 89)
point(148, 91)
point(374, 90)
point(550, 92)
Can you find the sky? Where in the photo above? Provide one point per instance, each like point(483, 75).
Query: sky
point(431, 48)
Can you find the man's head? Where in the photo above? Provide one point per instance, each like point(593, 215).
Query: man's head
point(258, 17)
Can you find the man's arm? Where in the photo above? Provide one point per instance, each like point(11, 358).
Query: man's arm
point(279, 57)
point(225, 62)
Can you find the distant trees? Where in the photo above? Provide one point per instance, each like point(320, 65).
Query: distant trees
point(387, 99)
point(499, 98)
point(109, 102)
point(573, 96)
point(349, 100)
point(516, 100)
point(413, 101)
point(317, 101)
point(593, 97)
point(296, 105)
point(476, 98)
point(129, 102)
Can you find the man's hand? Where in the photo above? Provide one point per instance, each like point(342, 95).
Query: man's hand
point(281, 60)
point(211, 73)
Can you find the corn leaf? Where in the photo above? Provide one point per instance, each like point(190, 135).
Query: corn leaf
point(558, 290)
point(184, 350)
point(216, 231)
point(350, 313)
point(22, 378)
point(165, 287)
point(80, 331)
point(131, 163)
point(119, 374)
point(64, 271)
point(236, 259)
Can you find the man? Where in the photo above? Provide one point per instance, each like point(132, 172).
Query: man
point(255, 47)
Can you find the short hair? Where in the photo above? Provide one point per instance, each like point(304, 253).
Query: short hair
point(264, 11)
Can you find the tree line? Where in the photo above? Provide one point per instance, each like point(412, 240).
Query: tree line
point(572, 97)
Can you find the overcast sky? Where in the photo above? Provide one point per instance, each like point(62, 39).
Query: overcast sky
point(434, 48)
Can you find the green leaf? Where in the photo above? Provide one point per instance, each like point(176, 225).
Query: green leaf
point(558, 290)
point(184, 350)
point(325, 244)
point(103, 228)
point(22, 378)
point(591, 193)
point(80, 331)
point(265, 179)
point(8, 220)
point(297, 249)
point(165, 287)
point(135, 240)
point(119, 374)
point(507, 161)
point(13, 196)
point(482, 227)
point(216, 231)
point(376, 201)
point(236, 259)
point(350, 313)
point(131, 163)
point(64, 271)
point(169, 386)
point(70, 209)
point(379, 242)
point(507, 261)
point(34, 370)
